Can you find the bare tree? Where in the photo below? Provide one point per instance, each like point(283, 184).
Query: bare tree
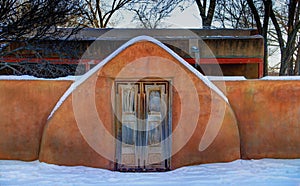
point(262, 25)
point(207, 10)
point(31, 20)
point(35, 18)
point(24, 23)
point(285, 19)
point(297, 60)
point(236, 14)
point(151, 13)
point(99, 14)
point(288, 25)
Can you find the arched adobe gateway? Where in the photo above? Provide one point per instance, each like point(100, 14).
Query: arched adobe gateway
point(142, 109)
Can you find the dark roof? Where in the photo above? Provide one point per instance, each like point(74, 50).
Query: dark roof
point(165, 34)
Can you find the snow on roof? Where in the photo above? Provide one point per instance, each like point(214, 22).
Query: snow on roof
point(174, 33)
point(118, 51)
point(27, 77)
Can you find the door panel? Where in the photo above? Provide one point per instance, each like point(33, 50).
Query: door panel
point(155, 112)
point(143, 108)
point(127, 103)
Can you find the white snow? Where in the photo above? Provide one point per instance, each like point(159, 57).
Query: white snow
point(226, 78)
point(285, 78)
point(27, 77)
point(119, 50)
point(239, 172)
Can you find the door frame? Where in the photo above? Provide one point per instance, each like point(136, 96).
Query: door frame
point(167, 147)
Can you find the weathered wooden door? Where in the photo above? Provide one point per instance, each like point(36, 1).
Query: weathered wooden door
point(143, 125)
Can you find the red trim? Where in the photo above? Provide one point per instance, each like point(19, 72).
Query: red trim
point(260, 70)
point(88, 62)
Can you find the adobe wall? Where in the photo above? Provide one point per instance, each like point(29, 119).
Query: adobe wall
point(81, 131)
point(268, 115)
point(24, 108)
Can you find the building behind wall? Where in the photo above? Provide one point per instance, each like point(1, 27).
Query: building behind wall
point(227, 52)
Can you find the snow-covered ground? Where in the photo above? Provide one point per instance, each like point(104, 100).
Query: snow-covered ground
point(240, 172)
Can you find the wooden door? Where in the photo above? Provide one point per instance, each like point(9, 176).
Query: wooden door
point(142, 125)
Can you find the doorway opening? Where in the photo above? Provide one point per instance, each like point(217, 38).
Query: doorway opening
point(143, 125)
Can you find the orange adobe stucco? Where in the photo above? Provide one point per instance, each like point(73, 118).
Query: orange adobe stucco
point(268, 115)
point(24, 108)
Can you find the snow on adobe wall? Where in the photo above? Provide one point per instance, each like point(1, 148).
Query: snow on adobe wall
point(281, 78)
point(32, 78)
point(226, 78)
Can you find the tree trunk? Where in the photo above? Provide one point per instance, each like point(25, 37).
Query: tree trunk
point(206, 17)
point(297, 62)
point(268, 6)
point(256, 15)
point(291, 18)
point(287, 65)
point(262, 29)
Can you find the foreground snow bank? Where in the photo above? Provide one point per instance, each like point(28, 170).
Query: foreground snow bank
point(240, 172)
